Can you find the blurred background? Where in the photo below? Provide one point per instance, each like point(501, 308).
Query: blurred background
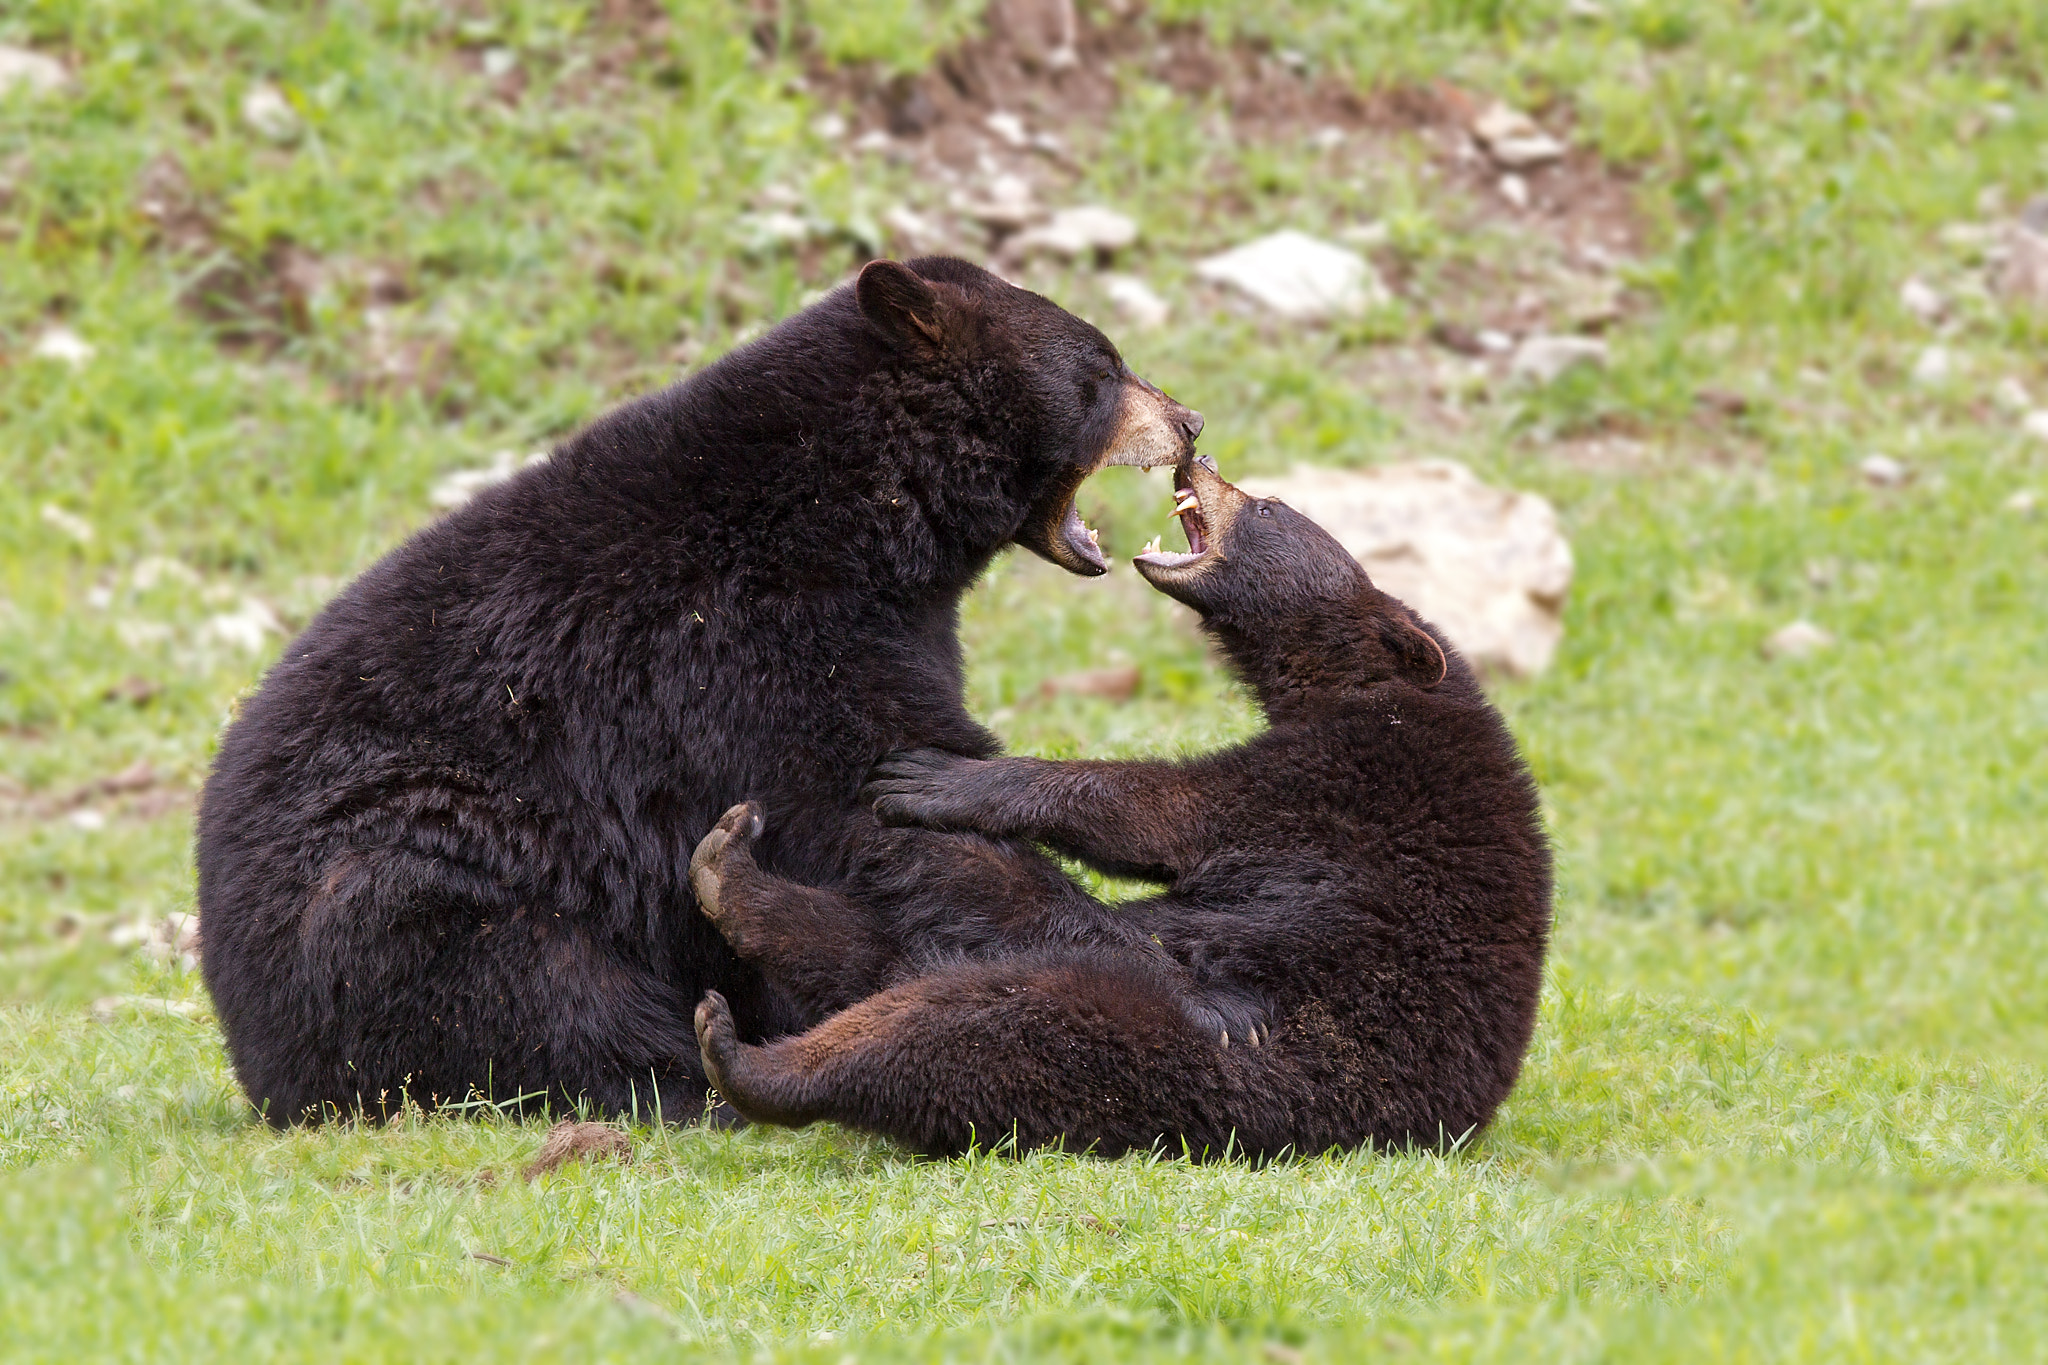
point(1729, 319)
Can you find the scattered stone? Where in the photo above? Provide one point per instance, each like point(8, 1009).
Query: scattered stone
point(457, 488)
point(108, 1007)
point(1487, 565)
point(1515, 190)
point(2036, 424)
point(1513, 139)
point(1922, 300)
point(1008, 127)
point(498, 62)
point(1935, 366)
point(86, 818)
point(1008, 206)
point(1327, 138)
point(1298, 276)
point(2012, 396)
point(1882, 471)
point(63, 344)
point(32, 70)
point(244, 628)
point(571, 1141)
point(1136, 300)
point(873, 140)
point(150, 570)
point(1088, 230)
point(1544, 357)
point(1375, 233)
point(829, 126)
point(1493, 341)
point(1795, 641)
point(70, 523)
point(269, 114)
point(2023, 277)
point(2023, 502)
point(1112, 684)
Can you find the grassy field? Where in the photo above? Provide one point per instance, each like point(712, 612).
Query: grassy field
point(1788, 1098)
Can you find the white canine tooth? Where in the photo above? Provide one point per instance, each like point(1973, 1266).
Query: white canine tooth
point(1186, 502)
point(1152, 546)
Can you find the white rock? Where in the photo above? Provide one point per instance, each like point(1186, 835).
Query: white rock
point(1298, 276)
point(499, 61)
point(99, 597)
point(1487, 565)
point(61, 343)
point(1513, 139)
point(1515, 190)
point(1883, 471)
point(1935, 366)
point(1922, 300)
point(32, 70)
point(464, 484)
point(874, 140)
point(269, 114)
point(86, 818)
point(1494, 341)
point(1327, 138)
point(1136, 300)
point(70, 523)
point(1795, 641)
point(1544, 356)
point(1008, 205)
point(2023, 502)
point(2012, 396)
point(151, 570)
point(2023, 278)
point(1008, 127)
point(2036, 424)
point(245, 627)
point(829, 126)
point(1079, 232)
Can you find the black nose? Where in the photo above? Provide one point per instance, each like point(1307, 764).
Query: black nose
point(1190, 423)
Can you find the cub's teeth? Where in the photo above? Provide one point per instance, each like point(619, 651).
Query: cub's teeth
point(1093, 538)
point(1152, 546)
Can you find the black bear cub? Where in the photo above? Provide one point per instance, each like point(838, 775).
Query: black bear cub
point(1364, 889)
point(445, 849)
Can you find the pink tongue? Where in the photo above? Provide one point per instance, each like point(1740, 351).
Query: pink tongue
point(1075, 536)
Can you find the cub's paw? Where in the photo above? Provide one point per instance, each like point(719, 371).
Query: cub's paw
point(920, 787)
point(726, 846)
point(716, 1038)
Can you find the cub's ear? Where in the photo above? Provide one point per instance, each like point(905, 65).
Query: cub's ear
point(902, 304)
point(1418, 658)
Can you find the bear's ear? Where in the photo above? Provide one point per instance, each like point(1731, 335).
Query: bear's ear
point(901, 304)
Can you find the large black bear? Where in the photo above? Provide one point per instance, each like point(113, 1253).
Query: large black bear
point(1369, 877)
point(444, 851)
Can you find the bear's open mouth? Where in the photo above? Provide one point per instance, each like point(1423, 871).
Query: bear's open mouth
point(1187, 506)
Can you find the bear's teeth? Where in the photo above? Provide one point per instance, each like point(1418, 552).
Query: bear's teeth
point(1186, 502)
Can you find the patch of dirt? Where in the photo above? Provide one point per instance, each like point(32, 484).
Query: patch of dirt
point(136, 792)
point(571, 1141)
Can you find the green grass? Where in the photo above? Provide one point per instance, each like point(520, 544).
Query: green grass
point(1787, 1099)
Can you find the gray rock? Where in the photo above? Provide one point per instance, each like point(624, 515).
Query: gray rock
point(21, 67)
point(1136, 300)
point(269, 114)
point(1795, 641)
point(1487, 565)
point(1298, 276)
point(1076, 232)
point(1544, 357)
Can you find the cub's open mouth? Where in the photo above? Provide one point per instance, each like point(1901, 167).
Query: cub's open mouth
point(1195, 520)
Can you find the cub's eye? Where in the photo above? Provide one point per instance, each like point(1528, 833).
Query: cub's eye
point(1265, 509)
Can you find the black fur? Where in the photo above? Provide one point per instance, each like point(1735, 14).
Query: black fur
point(1364, 889)
point(444, 851)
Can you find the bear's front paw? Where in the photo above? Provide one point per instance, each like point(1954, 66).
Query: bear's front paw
point(919, 787)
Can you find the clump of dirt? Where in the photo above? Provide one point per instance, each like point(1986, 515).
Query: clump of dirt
point(570, 1141)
